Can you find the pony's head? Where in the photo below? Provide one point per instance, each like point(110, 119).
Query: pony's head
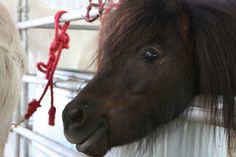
point(154, 57)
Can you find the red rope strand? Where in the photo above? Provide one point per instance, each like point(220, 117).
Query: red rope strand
point(60, 42)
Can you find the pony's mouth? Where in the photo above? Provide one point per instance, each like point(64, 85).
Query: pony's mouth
point(91, 139)
point(96, 144)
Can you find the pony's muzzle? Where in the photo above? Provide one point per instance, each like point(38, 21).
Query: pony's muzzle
point(85, 128)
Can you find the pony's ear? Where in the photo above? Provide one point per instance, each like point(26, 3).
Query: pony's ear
point(175, 9)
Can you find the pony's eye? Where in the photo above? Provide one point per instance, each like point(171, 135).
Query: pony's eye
point(150, 55)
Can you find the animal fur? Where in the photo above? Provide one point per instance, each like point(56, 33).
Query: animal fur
point(12, 66)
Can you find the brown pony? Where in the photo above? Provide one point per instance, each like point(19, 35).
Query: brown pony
point(154, 57)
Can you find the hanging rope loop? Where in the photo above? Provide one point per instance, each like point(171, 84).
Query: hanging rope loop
point(60, 42)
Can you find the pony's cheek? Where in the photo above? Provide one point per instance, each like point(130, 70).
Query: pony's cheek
point(128, 124)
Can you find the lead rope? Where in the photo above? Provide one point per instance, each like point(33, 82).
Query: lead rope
point(60, 42)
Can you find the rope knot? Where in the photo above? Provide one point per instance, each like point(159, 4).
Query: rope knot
point(64, 39)
point(55, 45)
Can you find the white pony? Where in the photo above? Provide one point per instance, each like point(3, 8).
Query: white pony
point(12, 66)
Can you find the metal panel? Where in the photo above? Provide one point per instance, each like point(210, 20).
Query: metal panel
point(190, 139)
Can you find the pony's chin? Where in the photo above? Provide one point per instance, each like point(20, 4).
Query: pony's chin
point(95, 145)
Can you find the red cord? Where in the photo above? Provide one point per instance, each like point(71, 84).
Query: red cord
point(60, 42)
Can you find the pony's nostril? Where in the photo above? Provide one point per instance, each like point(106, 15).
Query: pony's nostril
point(77, 116)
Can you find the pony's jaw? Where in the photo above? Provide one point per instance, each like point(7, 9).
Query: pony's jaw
point(91, 139)
point(96, 144)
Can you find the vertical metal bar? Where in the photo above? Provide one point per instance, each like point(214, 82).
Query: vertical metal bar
point(25, 17)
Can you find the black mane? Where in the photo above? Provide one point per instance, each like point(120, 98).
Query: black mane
point(213, 42)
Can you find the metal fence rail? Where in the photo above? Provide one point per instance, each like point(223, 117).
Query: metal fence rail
point(47, 143)
point(71, 27)
point(47, 22)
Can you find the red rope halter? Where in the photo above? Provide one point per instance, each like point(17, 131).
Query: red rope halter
point(60, 42)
